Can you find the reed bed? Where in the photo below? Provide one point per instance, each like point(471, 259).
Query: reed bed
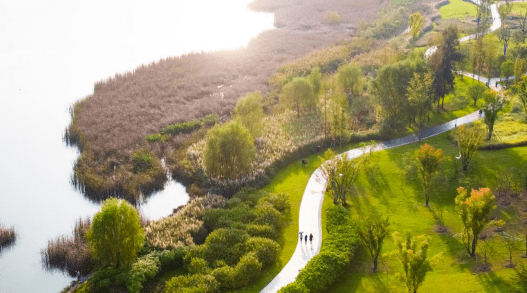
point(70, 254)
point(7, 237)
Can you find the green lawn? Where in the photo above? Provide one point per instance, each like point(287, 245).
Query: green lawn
point(401, 199)
point(457, 9)
point(518, 8)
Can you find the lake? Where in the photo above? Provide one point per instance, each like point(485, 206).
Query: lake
point(51, 54)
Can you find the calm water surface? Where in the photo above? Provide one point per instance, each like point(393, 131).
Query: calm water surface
point(51, 54)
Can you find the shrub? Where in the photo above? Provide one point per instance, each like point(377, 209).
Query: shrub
point(226, 244)
point(265, 231)
point(279, 201)
point(223, 218)
point(266, 250)
point(192, 284)
point(210, 120)
point(197, 265)
point(183, 127)
point(156, 137)
point(294, 287)
point(332, 17)
point(266, 214)
point(225, 275)
point(247, 270)
point(144, 268)
point(142, 160)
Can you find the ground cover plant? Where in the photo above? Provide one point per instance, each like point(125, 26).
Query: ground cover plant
point(458, 9)
point(402, 201)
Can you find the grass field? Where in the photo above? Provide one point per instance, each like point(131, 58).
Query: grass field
point(457, 9)
point(518, 8)
point(402, 200)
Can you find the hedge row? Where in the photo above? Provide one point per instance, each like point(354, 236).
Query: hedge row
point(183, 127)
point(336, 253)
point(504, 145)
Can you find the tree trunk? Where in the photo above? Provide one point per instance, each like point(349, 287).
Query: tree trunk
point(491, 128)
point(375, 260)
point(474, 243)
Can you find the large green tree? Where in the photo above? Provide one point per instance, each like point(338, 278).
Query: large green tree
point(474, 210)
point(412, 253)
point(351, 79)
point(229, 151)
point(507, 70)
point(415, 22)
point(115, 235)
point(420, 96)
point(520, 67)
point(428, 162)
point(249, 111)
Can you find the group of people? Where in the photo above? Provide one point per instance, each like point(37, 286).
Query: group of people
point(305, 237)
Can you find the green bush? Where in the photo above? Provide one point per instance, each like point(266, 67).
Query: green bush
point(156, 137)
point(265, 249)
point(247, 270)
point(142, 160)
point(210, 120)
point(266, 214)
point(294, 287)
point(266, 231)
point(225, 276)
point(279, 201)
point(226, 244)
point(192, 284)
point(144, 268)
point(223, 218)
point(172, 258)
point(183, 127)
point(197, 265)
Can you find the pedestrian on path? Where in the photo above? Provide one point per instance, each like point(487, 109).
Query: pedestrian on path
point(311, 238)
point(301, 235)
point(305, 237)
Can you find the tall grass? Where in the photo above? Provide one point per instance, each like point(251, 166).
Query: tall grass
point(7, 237)
point(70, 254)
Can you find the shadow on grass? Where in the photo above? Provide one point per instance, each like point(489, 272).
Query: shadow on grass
point(495, 284)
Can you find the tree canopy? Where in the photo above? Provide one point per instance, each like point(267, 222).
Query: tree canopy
point(115, 235)
point(249, 111)
point(229, 151)
point(298, 94)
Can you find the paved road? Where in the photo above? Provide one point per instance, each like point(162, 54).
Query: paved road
point(311, 207)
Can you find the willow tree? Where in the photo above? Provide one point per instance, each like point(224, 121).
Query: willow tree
point(428, 162)
point(474, 211)
point(229, 151)
point(115, 235)
point(249, 111)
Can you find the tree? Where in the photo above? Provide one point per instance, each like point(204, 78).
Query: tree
point(512, 243)
point(469, 139)
point(372, 233)
point(298, 94)
point(340, 173)
point(412, 253)
point(115, 235)
point(507, 70)
point(522, 91)
point(229, 151)
point(477, 51)
point(520, 67)
point(315, 78)
point(474, 212)
point(476, 91)
point(420, 95)
point(415, 22)
point(494, 104)
point(428, 162)
point(504, 34)
point(351, 79)
point(249, 111)
point(443, 62)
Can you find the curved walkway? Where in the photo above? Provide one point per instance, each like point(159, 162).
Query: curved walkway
point(311, 207)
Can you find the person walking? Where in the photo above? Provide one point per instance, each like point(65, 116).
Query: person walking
point(311, 238)
point(305, 238)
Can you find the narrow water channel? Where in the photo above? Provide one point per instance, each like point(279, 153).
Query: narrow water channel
point(51, 54)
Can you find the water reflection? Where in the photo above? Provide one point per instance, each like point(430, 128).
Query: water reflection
point(163, 203)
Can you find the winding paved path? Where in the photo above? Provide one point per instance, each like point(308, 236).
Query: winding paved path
point(311, 207)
